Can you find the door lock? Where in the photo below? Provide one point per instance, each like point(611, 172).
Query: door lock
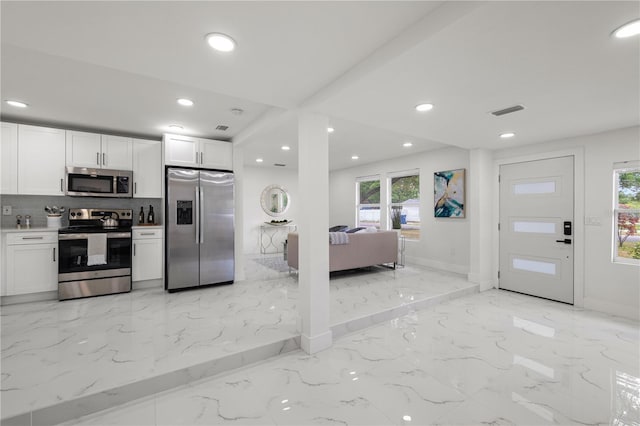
point(565, 241)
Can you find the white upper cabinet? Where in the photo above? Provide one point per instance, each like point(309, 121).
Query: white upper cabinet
point(83, 149)
point(117, 153)
point(99, 151)
point(216, 154)
point(181, 151)
point(194, 152)
point(9, 158)
point(41, 160)
point(147, 169)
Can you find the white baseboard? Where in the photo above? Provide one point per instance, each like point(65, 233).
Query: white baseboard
point(312, 345)
point(437, 264)
point(30, 297)
point(617, 309)
point(139, 285)
point(483, 281)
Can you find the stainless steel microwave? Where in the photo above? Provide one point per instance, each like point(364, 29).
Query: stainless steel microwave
point(85, 182)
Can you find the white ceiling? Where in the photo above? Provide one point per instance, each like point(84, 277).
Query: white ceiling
point(119, 66)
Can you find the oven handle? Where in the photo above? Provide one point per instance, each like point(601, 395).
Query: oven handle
point(86, 236)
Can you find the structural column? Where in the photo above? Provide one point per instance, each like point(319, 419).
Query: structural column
point(313, 244)
point(480, 212)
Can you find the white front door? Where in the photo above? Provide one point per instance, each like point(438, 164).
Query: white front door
point(536, 228)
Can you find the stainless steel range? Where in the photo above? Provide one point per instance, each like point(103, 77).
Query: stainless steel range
point(95, 253)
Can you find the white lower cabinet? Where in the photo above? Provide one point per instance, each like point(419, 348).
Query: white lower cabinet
point(147, 254)
point(32, 262)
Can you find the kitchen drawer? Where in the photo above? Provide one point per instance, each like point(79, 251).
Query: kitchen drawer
point(32, 238)
point(142, 234)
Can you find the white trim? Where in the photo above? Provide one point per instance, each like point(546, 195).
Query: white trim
point(410, 172)
point(314, 344)
point(578, 213)
point(368, 178)
point(437, 264)
point(612, 308)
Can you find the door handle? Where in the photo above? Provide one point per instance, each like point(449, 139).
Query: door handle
point(201, 215)
point(197, 213)
point(565, 241)
point(54, 254)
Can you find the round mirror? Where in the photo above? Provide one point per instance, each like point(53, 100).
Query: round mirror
point(275, 200)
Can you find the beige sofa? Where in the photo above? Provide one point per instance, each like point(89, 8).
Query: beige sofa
point(364, 249)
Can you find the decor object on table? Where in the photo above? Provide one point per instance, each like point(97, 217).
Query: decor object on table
point(396, 217)
point(448, 193)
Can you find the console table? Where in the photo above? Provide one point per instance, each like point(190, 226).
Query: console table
point(272, 237)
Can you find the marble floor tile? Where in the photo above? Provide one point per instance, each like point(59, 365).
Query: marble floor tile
point(444, 365)
point(54, 352)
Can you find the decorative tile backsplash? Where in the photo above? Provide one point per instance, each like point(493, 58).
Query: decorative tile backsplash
point(34, 205)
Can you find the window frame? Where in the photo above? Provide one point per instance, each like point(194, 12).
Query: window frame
point(620, 168)
point(390, 204)
point(359, 205)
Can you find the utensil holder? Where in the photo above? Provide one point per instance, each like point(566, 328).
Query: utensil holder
point(54, 221)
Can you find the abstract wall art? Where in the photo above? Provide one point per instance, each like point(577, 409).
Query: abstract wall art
point(448, 193)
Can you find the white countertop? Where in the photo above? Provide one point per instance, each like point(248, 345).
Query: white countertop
point(32, 229)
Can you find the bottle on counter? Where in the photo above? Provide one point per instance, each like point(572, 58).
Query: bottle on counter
point(27, 221)
point(141, 215)
point(151, 219)
point(19, 221)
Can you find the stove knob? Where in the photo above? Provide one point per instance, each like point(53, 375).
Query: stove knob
point(72, 214)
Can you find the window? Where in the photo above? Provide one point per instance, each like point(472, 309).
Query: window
point(368, 190)
point(404, 208)
point(626, 215)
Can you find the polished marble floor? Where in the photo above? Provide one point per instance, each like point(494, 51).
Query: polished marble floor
point(53, 352)
point(494, 358)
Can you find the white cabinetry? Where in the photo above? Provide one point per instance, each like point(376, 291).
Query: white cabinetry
point(147, 169)
point(98, 151)
point(41, 160)
point(194, 152)
point(147, 254)
point(32, 262)
point(9, 158)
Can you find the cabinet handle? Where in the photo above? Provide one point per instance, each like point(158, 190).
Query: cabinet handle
point(147, 233)
point(104, 159)
point(134, 249)
point(98, 158)
point(32, 238)
point(135, 187)
point(61, 185)
point(54, 254)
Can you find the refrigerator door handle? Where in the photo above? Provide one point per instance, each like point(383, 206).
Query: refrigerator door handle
point(197, 212)
point(201, 214)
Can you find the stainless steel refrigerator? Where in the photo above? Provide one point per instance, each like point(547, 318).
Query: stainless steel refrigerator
point(199, 228)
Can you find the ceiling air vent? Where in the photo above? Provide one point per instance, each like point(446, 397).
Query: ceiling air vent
point(508, 110)
point(222, 127)
point(279, 164)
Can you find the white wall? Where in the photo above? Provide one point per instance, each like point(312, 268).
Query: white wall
point(608, 287)
point(444, 243)
point(255, 180)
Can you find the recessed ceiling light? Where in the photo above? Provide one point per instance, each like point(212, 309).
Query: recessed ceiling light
point(628, 30)
point(237, 111)
point(424, 107)
point(407, 144)
point(185, 102)
point(285, 148)
point(507, 135)
point(354, 157)
point(259, 160)
point(175, 127)
point(221, 42)
point(330, 129)
point(16, 104)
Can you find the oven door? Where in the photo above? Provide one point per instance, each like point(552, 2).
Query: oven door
point(76, 263)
